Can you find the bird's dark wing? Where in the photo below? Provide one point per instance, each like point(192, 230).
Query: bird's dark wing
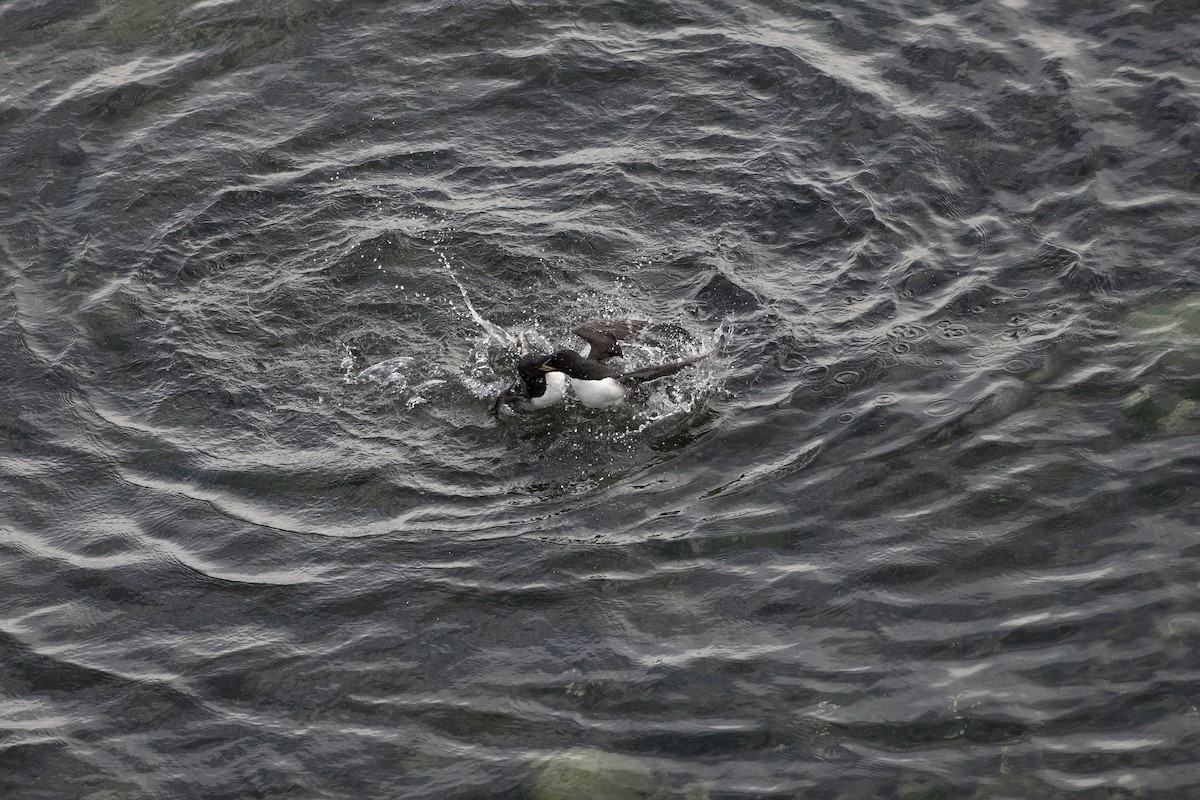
point(603, 335)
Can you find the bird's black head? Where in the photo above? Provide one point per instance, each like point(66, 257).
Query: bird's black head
point(532, 367)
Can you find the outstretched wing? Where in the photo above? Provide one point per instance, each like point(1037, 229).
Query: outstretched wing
point(603, 335)
point(636, 376)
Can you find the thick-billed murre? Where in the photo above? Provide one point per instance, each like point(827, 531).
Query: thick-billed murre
point(541, 387)
point(595, 383)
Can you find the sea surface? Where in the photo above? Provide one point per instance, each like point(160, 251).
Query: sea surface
point(925, 526)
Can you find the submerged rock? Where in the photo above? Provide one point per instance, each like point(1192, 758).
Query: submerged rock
point(1177, 317)
point(1175, 325)
point(1164, 408)
point(586, 774)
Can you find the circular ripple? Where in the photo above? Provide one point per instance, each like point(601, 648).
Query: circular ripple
point(941, 408)
point(814, 373)
point(1021, 293)
point(884, 359)
point(846, 417)
point(887, 399)
point(907, 332)
point(973, 535)
point(952, 331)
point(1019, 365)
point(832, 390)
point(848, 377)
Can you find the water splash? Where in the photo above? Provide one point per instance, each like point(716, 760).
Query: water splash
point(497, 335)
point(390, 372)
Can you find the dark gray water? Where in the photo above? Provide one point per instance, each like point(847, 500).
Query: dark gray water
point(925, 527)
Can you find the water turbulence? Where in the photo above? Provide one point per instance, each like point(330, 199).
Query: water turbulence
point(921, 526)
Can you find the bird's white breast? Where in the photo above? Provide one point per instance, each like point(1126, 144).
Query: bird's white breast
point(599, 394)
point(556, 390)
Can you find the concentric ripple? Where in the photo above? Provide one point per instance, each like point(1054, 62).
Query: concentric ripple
point(921, 525)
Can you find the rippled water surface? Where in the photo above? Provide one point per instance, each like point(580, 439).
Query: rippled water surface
point(923, 527)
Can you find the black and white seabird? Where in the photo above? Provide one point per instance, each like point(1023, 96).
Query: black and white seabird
point(597, 385)
point(541, 386)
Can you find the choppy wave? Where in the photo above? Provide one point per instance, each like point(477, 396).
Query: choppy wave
point(922, 527)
